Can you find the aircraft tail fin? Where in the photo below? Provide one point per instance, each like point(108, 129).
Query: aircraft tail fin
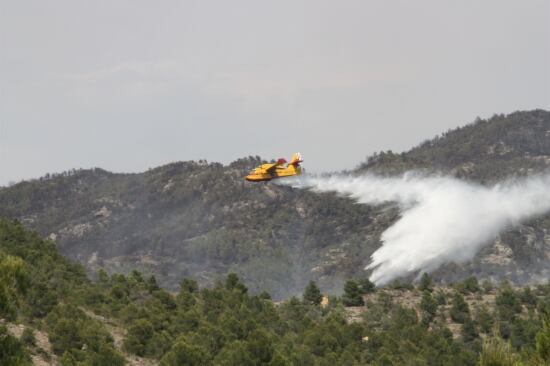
point(296, 159)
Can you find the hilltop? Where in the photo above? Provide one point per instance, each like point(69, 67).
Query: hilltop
point(485, 151)
point(202, 220)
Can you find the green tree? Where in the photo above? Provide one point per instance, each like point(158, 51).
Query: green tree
point(260, 347)
point(234, 354)
point(68, 359)
point(152, 284)
point(312, 294)
point(367, 286)
point(279, 360)
point(139, 334)
point(425, 282)
point(543, 340)
point(102, 277)
point(428, 305)
point(41, 298)
point(470, 285)
point(469, 332)
point(232, 282)
point(71, 331)
point(528, 297)
point(189, 285)
point(352, 294)
point(484, 318)
point(64, 335)
point(440, 297)
point(264, 295)
point(105, 355)
point(508, 303)
point(13, 282)
point(459, 309)
point(136, 276)
point(496, 352)
point(12, 352)
point(184, 354)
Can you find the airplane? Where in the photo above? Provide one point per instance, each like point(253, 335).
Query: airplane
point(276, 170)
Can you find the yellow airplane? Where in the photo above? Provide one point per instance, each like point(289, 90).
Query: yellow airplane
point(276, 170)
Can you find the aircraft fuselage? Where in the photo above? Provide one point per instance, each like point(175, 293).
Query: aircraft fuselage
point(261, 174)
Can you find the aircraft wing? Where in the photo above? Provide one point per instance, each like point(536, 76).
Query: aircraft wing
point(271, 168)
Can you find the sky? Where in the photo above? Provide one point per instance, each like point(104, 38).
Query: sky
point(128, 85)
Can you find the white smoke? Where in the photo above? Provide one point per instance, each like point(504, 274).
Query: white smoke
point(442, 219)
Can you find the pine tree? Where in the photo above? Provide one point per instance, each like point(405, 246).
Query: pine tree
point(471, 285)
point(152, 284)
point(183, 353)
point(469, 332)
point(484, 318)
point(233, 282)
point(352, 294)
point(459, 310)
point(312, 294)
point(102, 277)
point(428, 305)
point(367, 286)
point(188, 285)
point(425, 282)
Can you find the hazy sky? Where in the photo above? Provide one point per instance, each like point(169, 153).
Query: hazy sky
point(128, 85)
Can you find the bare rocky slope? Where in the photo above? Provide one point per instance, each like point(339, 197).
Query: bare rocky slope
point(202, 220)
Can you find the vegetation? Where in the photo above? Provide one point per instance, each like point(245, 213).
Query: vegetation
point(200, 220)
point(12, 351)
point(366, 286)
point(217, 243)
point(312, 294)
point(426, 283)
point(226, 325)
point(352, 294)
point(428, 305)
point(460, 312)
point(485, 150)
point(497, 352)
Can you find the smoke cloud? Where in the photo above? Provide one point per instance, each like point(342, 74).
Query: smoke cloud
point(442, 220)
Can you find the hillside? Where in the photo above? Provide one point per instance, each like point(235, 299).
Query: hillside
point(485, 151)
point(198, 220)
point(54, 315)
point(202, 220)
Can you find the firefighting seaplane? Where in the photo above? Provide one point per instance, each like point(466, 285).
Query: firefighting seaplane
point(279, 169)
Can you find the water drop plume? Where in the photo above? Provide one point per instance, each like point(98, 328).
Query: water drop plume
point(443, 219)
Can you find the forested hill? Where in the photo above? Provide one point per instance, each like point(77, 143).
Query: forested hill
point(52, 314)
point(485, 150)
point(202, 220)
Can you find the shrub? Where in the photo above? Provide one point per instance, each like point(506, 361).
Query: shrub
point(496, 352)
point(12, 351)
point(28, 337)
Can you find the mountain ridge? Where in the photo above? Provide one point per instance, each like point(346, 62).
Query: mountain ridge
point(201, 220)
